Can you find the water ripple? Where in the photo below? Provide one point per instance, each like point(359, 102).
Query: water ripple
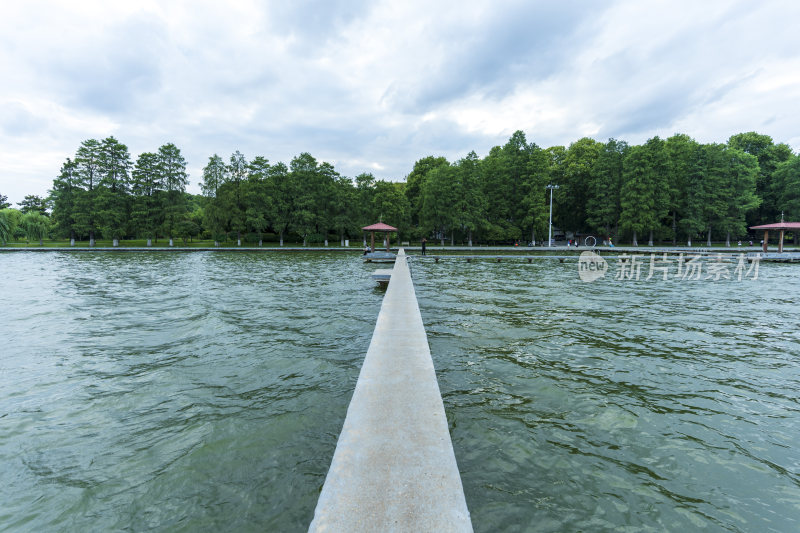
point(618, 405)
point(184, 392)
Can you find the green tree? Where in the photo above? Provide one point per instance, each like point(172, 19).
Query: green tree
point(715, 168)
point(185, 229)
point(12, 219)
point(739, 192)
point(5, 228)
point(88, 161)
point(470, 208)
point(146, 184)
point(644, 197)
point(36, 226)
point(497, 192)
point(787, 183)
point(635, 197)
point(769, 156)
point(345, 216)
point(256, 198)
point(603, 200)
point(682, 152)
point(415, 181)
point(231, 194)
point(114, 165)
point(4, 201)
point(174, 178)
point(535, 200)
point(33, 204)
point(310, 192)
point(63, 197)
point(577, 173)
point(113, 191)
point(390, 204)
point(213, 176)
point(326, 199)
point(695, 193)
point(215, 217)
point(439, 197)
point(282, 190)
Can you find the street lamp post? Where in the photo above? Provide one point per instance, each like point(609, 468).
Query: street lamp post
point(550, 229)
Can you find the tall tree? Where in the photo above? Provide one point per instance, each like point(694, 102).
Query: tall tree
point(769, 157)
point(175, 179)
point(715, 204)
point(88, 161)
point(603, 201)
point(283, 191)
point(4, 201)
point(787, 184)
point(390, 204)
point(497, 191)
point(516, 167)
point(256, 198)
point(343, 208)
point(146, 185)
point(63, 196)
point(635, 195)
point(112, 198)
point(114, 165)
point(644, 198)
point(577, 173)
point(681, 153)
point(213, 176)
point(307, 175)
point(438, 212)
point(231, 195)
point(470, 208)
point(415, 181)
point(739, 192)
point(214, 215)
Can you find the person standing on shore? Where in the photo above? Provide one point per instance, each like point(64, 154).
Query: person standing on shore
point(424, 242)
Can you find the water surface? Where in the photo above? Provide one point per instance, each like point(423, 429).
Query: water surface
point(619, 405)
point(205, 391)
point(200, 391)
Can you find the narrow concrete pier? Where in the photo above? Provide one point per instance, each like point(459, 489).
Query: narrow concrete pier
point(394, 467)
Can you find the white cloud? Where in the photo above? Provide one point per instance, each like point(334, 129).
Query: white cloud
point(373, 86)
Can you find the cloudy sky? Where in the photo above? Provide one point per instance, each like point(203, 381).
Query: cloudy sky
point(372, 86)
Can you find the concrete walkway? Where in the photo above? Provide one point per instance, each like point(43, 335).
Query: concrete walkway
point(394, 467)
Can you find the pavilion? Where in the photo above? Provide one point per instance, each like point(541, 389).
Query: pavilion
point(782, 227)
point(380, 227)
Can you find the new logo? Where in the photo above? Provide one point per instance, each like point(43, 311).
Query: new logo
point(591, 266)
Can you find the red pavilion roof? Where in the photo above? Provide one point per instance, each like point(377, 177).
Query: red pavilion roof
point(380, 226)
point(778, 226)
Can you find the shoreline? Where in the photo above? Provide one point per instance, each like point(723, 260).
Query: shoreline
point(431, 250)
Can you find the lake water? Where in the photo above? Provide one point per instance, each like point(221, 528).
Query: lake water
point(205, 391)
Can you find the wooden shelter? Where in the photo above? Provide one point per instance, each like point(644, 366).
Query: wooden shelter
point(380, 227)
point(782, 227)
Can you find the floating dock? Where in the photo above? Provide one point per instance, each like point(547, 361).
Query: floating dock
point(394, 468)
point(382, 276)
point(777, 257)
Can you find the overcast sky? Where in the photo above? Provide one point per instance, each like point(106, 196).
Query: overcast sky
point(372, 86)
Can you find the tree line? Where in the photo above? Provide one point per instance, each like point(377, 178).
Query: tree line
point(673, 189)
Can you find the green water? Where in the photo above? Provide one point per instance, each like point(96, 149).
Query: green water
point(205, 391)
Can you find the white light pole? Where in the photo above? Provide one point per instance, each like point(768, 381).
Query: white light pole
point(550, 230)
